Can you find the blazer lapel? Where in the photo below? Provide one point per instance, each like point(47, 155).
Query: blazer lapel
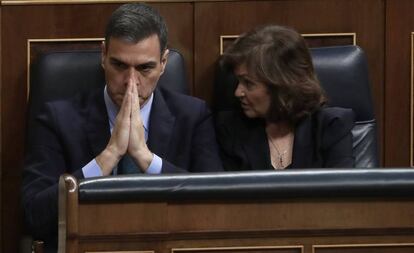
point(161, 126)
point(255, 145)
point(97, 123)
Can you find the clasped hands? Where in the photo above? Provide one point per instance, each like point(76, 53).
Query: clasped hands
point(127, 136)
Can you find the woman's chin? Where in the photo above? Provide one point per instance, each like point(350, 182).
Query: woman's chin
point(249, 113)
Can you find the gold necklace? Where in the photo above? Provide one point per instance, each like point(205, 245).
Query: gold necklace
point(279, 155)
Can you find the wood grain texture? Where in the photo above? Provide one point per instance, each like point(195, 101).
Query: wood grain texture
point(399, 26)
point(279, 224)
point(377, 248)
point(1, 146)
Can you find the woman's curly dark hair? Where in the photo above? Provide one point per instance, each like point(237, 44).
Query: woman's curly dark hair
point(278, 57)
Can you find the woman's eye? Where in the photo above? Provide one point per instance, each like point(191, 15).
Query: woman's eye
point(249, 85)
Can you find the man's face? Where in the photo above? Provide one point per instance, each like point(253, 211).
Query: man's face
point(141, 62)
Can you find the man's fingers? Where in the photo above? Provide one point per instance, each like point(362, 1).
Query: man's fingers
point(125, 109)
point(118, 143)
point(135, 95)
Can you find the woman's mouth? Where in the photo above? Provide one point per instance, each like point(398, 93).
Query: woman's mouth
point(244, 106)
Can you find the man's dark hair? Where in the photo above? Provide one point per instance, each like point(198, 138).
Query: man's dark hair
point(278, 57)
point(134, 22)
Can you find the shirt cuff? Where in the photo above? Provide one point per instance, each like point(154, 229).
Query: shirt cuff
point(92, 169)
point(155, 166)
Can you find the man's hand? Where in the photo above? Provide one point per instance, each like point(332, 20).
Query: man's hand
point(137, 147)
point(118, 143)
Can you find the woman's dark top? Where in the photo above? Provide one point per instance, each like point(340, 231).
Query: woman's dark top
point(322, 140)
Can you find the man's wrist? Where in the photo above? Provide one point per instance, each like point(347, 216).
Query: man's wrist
point(107, 160)
point(143, 158)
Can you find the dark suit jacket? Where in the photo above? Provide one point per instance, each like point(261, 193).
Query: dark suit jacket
point(323, 139)
point(70, 133)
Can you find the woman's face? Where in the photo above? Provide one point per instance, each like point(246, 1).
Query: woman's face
point(253, 95)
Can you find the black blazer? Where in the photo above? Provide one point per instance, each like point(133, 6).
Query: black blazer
point(70, 133)
point(323, 139)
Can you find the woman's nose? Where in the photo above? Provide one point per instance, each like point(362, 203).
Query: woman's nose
point(239, 92)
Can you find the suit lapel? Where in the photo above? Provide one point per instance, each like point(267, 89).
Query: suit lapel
point(97, 124)
point(161, 126)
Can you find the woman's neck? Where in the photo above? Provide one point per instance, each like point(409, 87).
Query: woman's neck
point(280, 138)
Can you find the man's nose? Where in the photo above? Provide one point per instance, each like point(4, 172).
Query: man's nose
point(133, 74)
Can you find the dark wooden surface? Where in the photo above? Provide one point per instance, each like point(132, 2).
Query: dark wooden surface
point(383, 29)
point(397, 101)
point(1, 134)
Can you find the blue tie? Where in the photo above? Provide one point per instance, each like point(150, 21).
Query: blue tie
point(127, 166)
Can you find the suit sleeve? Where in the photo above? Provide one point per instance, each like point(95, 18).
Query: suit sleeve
point(204, 154)
point(205, 151)
point(44, 163)
point(337, 139)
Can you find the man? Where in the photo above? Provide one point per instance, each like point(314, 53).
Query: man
point(130, 126)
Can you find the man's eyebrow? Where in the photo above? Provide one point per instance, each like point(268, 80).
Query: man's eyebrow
point(113, 59)
point(150, 64)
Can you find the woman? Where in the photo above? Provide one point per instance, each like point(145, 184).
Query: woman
point(282, 122)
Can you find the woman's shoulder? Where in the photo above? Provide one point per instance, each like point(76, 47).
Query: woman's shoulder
point(337, 115)
point(335, 123)
point(235, 123)
point(227, 117)
point(233, 118)
point(226, 122)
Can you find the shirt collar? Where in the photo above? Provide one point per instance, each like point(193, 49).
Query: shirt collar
point(112, 110)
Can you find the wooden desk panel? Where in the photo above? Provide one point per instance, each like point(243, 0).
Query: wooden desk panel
point(276, 225)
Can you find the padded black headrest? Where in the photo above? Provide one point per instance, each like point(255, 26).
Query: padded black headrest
point(342, 71)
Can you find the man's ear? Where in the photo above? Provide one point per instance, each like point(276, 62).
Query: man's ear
point(103, 54)
point(164, 60)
